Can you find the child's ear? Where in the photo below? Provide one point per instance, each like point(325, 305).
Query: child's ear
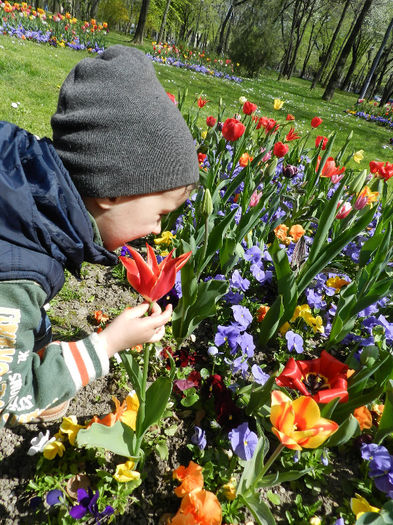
point(107, 202)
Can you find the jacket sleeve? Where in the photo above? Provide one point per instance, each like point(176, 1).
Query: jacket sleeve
point(32, 381)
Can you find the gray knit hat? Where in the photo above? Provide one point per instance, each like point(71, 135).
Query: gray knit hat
point(116, 130)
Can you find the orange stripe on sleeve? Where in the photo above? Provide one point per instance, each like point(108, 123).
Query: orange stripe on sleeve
point(79, 363)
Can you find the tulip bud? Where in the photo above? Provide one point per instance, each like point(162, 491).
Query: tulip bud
point(350, 135)
point(358, 183)
point(271, 169)
point(290, 171)
point(207, 203)
point(219, 125)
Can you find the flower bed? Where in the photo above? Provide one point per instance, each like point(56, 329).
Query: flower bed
point(372, 112)
point(194, 60)
point(24, 22)
point(278, 353)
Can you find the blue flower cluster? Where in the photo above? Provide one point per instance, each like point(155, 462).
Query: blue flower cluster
point(375, 118)
point(169, 61)
point(380, 468)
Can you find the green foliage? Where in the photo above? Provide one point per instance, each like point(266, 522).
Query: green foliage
point(114, 12)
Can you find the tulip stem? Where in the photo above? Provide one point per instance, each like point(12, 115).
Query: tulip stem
point(142, 401)
point(271, 459)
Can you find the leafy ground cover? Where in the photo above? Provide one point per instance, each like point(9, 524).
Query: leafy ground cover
point(271, 395)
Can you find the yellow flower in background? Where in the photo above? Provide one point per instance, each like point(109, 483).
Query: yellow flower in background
point(125, 472)
point(70, 427)
point(243, 100)
point(284, 328)
point(360, 505)
point(204, 134)
point(337, 283)
point(278, 104)
point(358, 156)
point(165, 239)
point(315, 520)
point(229, 489)
point(54, 448)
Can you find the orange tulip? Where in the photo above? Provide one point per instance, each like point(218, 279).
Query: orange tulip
point(298, 424)
point(150, 279)
point(191, 478)
point(200, 507)
point(125, 412)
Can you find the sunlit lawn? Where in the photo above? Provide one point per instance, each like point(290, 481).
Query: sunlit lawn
point(32, 73)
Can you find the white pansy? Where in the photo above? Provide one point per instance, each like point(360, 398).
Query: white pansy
point(39, 443)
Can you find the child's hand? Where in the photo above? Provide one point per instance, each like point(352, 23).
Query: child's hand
point(130, 328)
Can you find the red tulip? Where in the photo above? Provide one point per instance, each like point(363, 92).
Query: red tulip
point(323, 379)
point(290, 117)
point(211, 122)
point(249, 107)
point(292, 135)
point(320, 139)
point(172, 97)
point(330, 170)
point(233, 129)
point(280, 149)
point(316, 121)
point(150, 279)
point(202, 102)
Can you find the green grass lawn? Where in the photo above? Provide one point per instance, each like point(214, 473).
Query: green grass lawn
point(32, 73)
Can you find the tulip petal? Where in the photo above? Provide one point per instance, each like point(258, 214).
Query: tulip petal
point(286, 440)
point(307, 412)
point(151, 259)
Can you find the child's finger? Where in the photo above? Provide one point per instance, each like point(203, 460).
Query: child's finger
point(137, 311)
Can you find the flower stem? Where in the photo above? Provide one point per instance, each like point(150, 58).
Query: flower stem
point(271, 459)
point(142, 401)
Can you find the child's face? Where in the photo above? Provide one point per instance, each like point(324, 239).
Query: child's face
point(123, 219)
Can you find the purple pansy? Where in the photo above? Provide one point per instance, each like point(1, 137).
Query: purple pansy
point(242, 316)
point(246, 343)
point(199, 438)
point(227, 334)
point(259, 375)
point(294, 341)
point(88, 503)
point(243, 441)
point(237, 281)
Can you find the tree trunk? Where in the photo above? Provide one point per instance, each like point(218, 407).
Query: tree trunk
point(331, 46)
point(311, 43)
point(335, 77)
point(352, 66)
point(376, 60)
point(387, 92)
point(307, 8)
point(221, 38)
point(140, 28)
point(163, 21)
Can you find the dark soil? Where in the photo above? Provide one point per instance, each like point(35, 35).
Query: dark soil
point(72, 312)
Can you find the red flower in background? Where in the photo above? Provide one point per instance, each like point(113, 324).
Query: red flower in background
point(172, 97)
point(381, 169)
point(232, 129)
point(249, 107)
point(211, 121)
point(201, 157)
point(322, 139)
point(202, 102)
point(323, 379)
point(292, 135)
point(150, 279)
point(316, 121)
point(280, 149)
point(290, 117)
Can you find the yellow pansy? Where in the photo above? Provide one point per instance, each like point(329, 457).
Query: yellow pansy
point(358, 156)
point(337, 283)
point(54, 448)
point(360, 505)
point(284, 328)
point(278, 104)
point(70, 427)
point(165, 239)
point(229, 489)
point(300, 311)
point(125, 472)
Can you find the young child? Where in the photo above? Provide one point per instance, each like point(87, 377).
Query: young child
point(122, 157)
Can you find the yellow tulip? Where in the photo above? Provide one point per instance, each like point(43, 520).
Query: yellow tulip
point(204, 134)
point(358, 156)
point(298, 424)
point(278, 104)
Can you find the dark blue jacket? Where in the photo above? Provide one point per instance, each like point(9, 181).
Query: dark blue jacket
point(44, 225)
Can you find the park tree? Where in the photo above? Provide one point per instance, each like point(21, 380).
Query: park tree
point(114, 12)
point(140, 28)
point(337, 72)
